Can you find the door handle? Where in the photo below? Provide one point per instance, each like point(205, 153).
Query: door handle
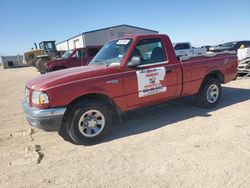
point(168, 70)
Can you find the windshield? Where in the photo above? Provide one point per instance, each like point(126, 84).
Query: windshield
point(112, 53)
point(67, 54)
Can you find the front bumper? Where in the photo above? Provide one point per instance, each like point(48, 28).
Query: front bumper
point(47, 119)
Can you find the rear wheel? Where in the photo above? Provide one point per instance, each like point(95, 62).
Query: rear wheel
point(89, 122)
point(209, 94)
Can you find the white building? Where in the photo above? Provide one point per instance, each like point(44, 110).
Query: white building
point(12, 61)
point(101, 36)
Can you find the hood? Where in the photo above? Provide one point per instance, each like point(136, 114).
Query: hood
point(43, 82)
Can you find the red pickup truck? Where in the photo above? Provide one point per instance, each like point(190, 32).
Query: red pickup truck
point(121, 77)
point(72, 58)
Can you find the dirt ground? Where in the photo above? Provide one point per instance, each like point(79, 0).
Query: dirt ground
point(169, 145)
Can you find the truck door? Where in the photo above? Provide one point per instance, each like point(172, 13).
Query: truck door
point(79, 58)
point(155, 79)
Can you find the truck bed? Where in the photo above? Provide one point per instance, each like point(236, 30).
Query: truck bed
point(195, 68)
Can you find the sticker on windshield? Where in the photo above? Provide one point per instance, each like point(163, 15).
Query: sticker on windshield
point(150, 81)
point(122, 42)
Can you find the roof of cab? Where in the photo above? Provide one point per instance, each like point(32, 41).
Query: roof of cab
point(141, 36)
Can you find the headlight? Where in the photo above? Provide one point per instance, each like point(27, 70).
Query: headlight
point(39, 98)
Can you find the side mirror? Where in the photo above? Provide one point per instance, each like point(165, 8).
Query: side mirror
point(135, 61)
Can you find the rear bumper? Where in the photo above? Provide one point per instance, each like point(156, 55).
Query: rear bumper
point(47, 119)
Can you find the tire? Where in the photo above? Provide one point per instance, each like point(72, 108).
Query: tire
point(82, 122)
point(34, 62)
point(209, 94)
point(41, 65)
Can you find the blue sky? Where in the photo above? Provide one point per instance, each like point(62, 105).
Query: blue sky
point(201, 22)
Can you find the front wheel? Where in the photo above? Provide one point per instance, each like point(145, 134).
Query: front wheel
point(41, 65)
point(89, 122)
point(209, 94)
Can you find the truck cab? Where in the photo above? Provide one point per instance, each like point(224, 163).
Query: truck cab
point(48, 46)
point(73, 58)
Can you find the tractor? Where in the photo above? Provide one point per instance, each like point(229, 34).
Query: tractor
point(38, 57)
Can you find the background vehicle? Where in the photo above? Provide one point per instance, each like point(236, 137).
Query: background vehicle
point(127, 73)
point(72, 58)
point(243, 55)
point(46, 52)
point(185, 49)
point(206, 47)
point(229, 46)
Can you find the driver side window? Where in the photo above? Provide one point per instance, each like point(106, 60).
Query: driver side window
point(80, 54)
point(150, 51)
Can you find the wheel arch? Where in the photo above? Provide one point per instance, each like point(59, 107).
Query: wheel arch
point(96, 96)
point(216, 74)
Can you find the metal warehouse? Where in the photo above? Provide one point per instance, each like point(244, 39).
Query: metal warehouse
point(101, 36)
point(12, 61)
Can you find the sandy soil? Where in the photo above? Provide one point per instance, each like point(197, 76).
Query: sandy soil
point(169, 145)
